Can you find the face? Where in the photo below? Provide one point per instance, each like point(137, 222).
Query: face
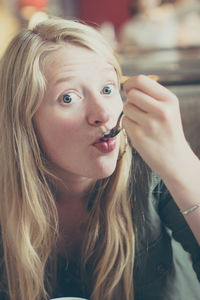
point(81, 103)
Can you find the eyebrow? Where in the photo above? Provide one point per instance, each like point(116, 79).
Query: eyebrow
point(63, 79)
point(110, 68)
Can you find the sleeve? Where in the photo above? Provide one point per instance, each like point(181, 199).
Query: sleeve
point(173, 219)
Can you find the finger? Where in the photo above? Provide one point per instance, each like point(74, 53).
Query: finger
point(134, 114)
point(129, 125)
point(143, 101)
point(149, 87)
point(132, 128)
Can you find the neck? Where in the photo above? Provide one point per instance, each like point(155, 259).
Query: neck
point(73, 190)
point(68, 186)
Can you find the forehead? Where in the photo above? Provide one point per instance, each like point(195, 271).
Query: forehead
point(75, 60)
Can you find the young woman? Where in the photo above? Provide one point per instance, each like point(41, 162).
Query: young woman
point(82, 215)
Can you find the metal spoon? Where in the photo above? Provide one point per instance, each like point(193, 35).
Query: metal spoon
point(115, 130)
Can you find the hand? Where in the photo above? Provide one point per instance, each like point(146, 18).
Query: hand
point(153, 123)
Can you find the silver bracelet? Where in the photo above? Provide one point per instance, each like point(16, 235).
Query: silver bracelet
point(191, 209)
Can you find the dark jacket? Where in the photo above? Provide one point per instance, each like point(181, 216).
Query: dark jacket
point(167, 260)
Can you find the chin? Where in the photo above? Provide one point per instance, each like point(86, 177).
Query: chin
point(105, 171)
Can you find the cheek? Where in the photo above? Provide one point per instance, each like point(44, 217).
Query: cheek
point(119, 103)
point(56, 131)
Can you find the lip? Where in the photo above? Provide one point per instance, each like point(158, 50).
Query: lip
point(105, 145)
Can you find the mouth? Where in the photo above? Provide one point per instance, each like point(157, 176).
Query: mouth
point(104, 144)
point(103, 139)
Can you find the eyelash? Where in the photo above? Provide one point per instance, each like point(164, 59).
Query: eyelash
point(108, 86)
point(70, 93)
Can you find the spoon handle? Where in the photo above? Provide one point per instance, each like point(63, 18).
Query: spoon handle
point(115, 130)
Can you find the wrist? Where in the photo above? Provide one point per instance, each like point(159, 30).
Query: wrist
point(182, 180)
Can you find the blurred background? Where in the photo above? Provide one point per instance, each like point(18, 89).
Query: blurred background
point(159, 37)
point(131, 25)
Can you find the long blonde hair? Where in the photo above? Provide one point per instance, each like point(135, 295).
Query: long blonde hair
point(28, 215)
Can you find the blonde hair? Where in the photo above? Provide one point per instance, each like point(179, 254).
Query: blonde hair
point(28, 215)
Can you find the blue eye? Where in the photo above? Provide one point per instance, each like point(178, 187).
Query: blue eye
point(70, 97)
point(108, 89)
point(67, 98)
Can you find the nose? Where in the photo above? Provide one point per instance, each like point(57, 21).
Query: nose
point(99, 113)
